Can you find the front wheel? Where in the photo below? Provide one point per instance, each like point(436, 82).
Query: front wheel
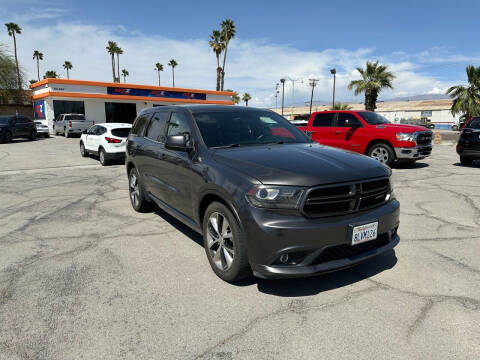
point(83, 152)
point(466, 161)
point(7, 137)
point(382, 153)
point(137, 194)
point(225, 244)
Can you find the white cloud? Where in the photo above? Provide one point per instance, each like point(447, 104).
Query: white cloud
point(253, 66)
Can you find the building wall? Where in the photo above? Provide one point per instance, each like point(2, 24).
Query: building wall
point(26, 110)
point(443, 119)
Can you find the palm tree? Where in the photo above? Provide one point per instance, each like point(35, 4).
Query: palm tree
point(173, 63)
point(466, 99)
point(125, 73)
point(158, 68)
point(32, 81)
point(235, 97)
point(245, 98)
point(227, 32)
point(341, 106)
point(217, 46)
point(118, 52)
point(50, 74)
point(13, 29)
point(38, 56)
point(111, 49)
point(375, 77)
point(67, 65)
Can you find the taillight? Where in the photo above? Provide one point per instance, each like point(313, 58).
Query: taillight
point(112, 140)
point(70, 124)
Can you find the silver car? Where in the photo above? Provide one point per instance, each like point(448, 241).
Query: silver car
point(42, 129)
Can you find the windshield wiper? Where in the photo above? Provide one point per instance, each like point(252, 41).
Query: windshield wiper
point(227, 146)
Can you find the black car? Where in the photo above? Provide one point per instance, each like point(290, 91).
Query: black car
point(265, 197)
point(468, 146)
point(19, 126)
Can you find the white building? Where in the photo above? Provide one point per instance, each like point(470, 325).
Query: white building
point(111, 102)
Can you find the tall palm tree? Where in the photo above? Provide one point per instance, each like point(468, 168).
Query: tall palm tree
point(125, 73)
point(118, 52)
point(37, 55)
point(67, 65)
point(111, 49)
point(158, 67)
point(173, 63)
point(341, 106)
point(217, 46)
point(228, 32)
point(50, 74)
point(14, 29)
point(375, 77)
point(246, 97)
point(466, 99)
point(235, 97)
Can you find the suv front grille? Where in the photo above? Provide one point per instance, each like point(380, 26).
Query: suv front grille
point(346, 251)
point(344, 199)
point(424, 138)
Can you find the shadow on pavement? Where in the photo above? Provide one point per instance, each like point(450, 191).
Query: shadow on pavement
point(415, 165)
point(475, 164)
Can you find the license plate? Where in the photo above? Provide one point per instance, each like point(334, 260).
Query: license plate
point(364, 233)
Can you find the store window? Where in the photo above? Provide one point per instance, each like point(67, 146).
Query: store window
point(120, 112)
point(68, 107)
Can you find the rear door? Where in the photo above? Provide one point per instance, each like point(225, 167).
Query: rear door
point(322, 128)
point(349, 133)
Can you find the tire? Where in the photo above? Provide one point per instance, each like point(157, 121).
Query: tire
point(228, 241)
point(382, 152)
point(466, 161)
point(33, 136)
point(83, 152)
point(7, 137)
point(137, 194)
point(102, 156)
point(66, 133)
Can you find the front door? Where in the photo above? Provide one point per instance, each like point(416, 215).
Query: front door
point(322, 128)
point(89, 139)
point(349, 133)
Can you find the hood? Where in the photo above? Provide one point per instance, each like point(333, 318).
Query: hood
point(300, 164)
point(402, 127)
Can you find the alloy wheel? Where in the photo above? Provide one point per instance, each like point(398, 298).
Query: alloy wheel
point(380, 154)
point(102, 157)
point(134, 190)
point(220, 241)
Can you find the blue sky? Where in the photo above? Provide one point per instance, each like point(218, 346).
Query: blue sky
point(426, 43)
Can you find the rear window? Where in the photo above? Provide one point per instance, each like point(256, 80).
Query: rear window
point(121, 132)
point(74, 117)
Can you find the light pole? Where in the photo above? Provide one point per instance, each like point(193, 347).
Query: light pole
point(276, 95)
point(283, 93)
point(334, 72)
point(313, 83)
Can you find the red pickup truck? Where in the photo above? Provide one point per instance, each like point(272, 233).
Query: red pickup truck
point(369, 133)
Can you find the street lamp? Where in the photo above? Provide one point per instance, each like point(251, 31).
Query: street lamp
point(283, 93)
point(313, 83)
point(276, 95)
point(334, 72)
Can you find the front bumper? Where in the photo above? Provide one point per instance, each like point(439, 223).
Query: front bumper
point(413, 153)
point(271, 235)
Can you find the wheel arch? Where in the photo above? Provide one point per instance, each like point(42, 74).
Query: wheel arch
point(379, 141)
point(211, 197)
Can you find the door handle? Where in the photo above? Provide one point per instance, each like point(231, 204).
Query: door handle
point(338, 132)
point(312, 131)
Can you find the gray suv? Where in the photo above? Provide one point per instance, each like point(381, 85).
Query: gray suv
point(265, 198)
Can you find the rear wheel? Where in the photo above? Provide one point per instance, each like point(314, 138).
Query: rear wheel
point(466, 161)
point(225, 244)
point(33, 135)
point(137, 194)
point(102, 156)
point(83, 152)
point(382, 152)
point(7, 137)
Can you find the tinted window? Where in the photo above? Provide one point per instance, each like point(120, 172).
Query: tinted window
point(178, 124)
point(22, 120)
point(373, 118)
point(252, 127)
point(68, 107)
point(101, 130)
point(121, 132)
point(323, 120)
point(474, 124)
point(140, 123)
point(5, 119)
point(156, 128)
point(347, 120)
point(92, 130)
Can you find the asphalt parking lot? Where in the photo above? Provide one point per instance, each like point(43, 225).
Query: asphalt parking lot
point(82, 276)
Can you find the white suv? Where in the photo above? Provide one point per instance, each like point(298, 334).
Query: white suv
point(105, 140)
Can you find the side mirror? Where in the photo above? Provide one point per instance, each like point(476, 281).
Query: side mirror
point(178, 142)
point(309, 134)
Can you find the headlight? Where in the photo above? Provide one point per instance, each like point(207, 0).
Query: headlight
point(405, 136)
point(275, 197)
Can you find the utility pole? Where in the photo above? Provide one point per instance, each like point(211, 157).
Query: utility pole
point(334, 72)
point(283, 93)
point(313, 83)
point(276, 95)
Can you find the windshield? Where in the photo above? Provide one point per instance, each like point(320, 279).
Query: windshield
point(474, 124)
point(373, 118)
point(5, 120)
point(74, 117)
point(251, 127)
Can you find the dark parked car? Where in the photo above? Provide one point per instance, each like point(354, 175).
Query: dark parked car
point(265, 197)
point(12, 127)
point(468, 146)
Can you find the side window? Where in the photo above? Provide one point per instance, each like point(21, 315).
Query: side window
point(323, 120)
point(178, 124)
point(156, 129)
point(347, 120)
point(92, 130)
point(101, 130)
point(139, 124)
